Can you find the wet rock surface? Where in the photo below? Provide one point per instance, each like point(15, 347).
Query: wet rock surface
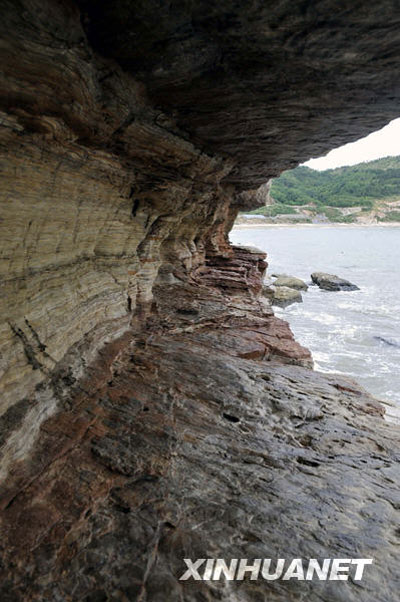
point(330, 282)
point(152, 406)
point(207, 436)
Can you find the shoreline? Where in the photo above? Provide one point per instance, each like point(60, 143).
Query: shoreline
point(392, 407)
point(329, 225)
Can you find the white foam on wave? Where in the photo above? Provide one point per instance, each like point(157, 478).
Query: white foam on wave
point(339, 327)
point(323, 318)
point(326, 370)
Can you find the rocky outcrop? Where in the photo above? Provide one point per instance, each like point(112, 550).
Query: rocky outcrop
point(123, 162)
point(268, 85)
point(152, 407)
point(330, 282)
point(206, 436)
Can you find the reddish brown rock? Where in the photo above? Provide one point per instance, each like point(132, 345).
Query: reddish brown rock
point(152, 407)
point(187, 424)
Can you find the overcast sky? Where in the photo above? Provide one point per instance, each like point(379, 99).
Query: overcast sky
point(383, 143)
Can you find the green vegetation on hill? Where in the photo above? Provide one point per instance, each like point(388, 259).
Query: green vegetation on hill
point(391, 216)
point(359, 185)
point(276, 209)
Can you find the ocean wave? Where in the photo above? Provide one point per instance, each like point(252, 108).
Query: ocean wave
point(339, 327)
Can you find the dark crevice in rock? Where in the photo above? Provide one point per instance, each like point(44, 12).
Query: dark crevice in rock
point(230, 418)
point(30, 353)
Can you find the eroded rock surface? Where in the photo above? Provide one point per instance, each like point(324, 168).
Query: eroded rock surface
point(152, 407)
point(268, 83)
point(209, 436)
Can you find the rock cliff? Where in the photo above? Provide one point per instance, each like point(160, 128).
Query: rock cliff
point(152, 406)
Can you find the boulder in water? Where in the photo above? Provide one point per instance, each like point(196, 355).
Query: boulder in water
point(291, 282)
point(330, 282)
point(282, 295)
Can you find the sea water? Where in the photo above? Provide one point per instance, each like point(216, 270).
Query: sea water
point(352, 333)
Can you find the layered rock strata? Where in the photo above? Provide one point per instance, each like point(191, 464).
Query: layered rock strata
point(152, 407)
point(207, 436)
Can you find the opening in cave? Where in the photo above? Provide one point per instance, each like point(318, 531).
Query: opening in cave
point(351, 201)
point(158, 418)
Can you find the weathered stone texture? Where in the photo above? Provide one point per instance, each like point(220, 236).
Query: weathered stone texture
point(152, 407)
point(95, 195)
point(269, 83)
point(198, 443)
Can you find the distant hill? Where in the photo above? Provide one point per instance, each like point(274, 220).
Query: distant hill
point(367, 190)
